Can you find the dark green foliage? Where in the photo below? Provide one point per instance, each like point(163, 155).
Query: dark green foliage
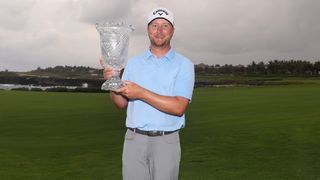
point(275, 67)
point(20, 89)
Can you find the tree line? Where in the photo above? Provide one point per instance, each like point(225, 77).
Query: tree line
point(68, 69)
point(276, 67)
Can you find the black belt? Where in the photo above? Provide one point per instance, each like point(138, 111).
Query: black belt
point(151, 133)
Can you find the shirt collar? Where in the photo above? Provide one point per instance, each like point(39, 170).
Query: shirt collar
point(168, 56)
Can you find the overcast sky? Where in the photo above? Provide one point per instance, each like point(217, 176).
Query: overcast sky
point(44, 33)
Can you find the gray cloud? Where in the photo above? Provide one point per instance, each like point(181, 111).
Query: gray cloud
point(14, 14)
point(101, 10)
point(47, 33)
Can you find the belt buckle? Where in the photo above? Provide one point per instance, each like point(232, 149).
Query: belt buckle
point(154, 133)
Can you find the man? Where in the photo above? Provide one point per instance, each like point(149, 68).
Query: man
point(158, 88)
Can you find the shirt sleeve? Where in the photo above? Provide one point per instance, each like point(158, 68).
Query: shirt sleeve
point(125, 75)
point(185, 80)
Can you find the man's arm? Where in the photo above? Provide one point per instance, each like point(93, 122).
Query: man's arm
point(120, 101)
point(174, 105)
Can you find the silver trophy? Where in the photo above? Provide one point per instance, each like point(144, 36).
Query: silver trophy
point(114, 43)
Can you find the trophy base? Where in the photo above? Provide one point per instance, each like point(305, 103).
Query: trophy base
point(112, 84)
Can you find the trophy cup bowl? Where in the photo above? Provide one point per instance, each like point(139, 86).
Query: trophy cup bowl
point(114, 43)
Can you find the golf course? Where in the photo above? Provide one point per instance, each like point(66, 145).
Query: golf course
point(236, 132)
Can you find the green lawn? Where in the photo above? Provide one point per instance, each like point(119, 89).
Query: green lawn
point(59, 136)
point(270, 132)
point(253, 133)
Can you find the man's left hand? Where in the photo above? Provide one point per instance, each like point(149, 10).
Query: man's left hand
point(131, 90)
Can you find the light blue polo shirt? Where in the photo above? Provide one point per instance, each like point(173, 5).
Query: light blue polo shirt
point(170, 75)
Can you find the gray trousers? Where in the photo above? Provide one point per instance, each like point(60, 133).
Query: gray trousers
point(151, 158)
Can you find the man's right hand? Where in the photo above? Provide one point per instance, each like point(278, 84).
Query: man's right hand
point(107, 73)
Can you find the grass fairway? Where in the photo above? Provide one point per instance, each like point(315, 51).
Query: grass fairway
point(232, 133)
point(59, 136)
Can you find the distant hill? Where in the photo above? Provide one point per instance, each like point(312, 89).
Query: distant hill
point(206, 75)
point(75, 72)
point(56, 76)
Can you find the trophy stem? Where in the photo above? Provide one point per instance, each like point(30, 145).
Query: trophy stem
point(113, 83)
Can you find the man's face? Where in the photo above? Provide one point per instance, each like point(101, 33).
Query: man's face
point(160, 32)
